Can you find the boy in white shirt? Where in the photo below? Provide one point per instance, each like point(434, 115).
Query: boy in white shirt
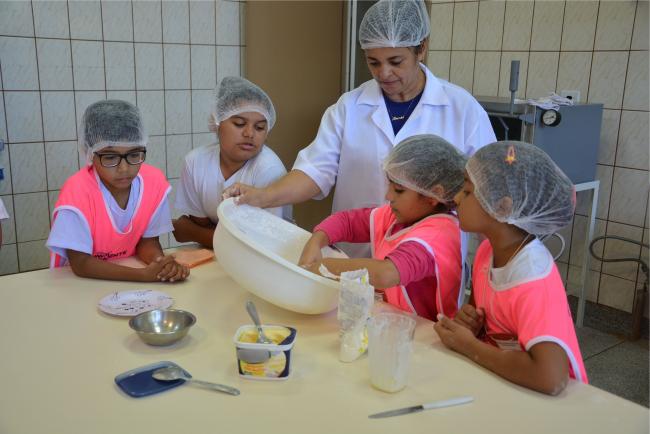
point(242, 119)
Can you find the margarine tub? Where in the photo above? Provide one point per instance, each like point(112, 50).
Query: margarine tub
point(264, 361)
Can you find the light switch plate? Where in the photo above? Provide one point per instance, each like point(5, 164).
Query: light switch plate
point(573, 95)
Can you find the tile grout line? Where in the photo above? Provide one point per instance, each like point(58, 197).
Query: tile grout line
point(74, 93)
point(557, 71)
point(239, 45)
point(475, 46)
point(591, 67)
point(527, 51)
point(451, 38)
point(135, 70)
point(101, 14)
point(573, 221)
point(530, 44)
point(13, 205)
point(189, 47)
point(164, 93)
point(618, 136)
point(622, 341)
point(639, 272)
point(503, 30)
point(40, 97)
point(31, 4)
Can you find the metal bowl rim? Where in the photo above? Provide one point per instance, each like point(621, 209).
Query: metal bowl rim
point(190, 314)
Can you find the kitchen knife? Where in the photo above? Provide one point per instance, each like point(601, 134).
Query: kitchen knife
point(422, 407)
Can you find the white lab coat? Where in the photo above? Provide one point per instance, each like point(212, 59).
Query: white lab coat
point(355, 135)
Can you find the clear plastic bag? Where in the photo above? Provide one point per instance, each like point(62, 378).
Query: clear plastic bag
point(356, 299)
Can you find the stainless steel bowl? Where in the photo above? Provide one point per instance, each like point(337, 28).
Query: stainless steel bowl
point(162, 326)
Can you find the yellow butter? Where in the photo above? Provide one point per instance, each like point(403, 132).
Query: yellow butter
point(275, 334)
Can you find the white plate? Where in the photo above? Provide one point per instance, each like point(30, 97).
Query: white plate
point(131, 303)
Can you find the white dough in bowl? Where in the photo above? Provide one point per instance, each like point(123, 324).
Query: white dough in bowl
point(260, 251)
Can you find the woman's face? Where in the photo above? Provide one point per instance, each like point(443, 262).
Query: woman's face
point(396, 70)
point(407, 205)
point(241, 136)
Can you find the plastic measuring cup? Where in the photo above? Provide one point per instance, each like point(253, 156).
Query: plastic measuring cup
point(390, 338)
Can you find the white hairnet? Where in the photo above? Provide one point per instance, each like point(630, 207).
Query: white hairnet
point(427, 164)
point(110, 123)
point(519, 184)
point(236, 95)
point(394, 23)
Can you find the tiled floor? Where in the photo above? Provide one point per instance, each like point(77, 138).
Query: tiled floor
point(616, 365)
point(612, 362)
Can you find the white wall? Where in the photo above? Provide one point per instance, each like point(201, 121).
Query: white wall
point(57, 57)
point(599, 48)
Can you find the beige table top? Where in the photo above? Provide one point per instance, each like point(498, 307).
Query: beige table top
point(59, 356)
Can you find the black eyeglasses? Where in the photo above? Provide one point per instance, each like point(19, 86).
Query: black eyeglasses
point(112, 159)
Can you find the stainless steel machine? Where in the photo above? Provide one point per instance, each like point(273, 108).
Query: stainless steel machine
point(570, 135)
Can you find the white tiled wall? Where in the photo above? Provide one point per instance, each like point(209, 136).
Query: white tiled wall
point(598, 48)
point(57, 57)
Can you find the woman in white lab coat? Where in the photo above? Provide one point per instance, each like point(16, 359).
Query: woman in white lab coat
point(359, 130)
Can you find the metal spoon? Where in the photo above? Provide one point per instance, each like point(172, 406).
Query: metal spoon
point(252, 311)
point(250, 355)
point(173, 373)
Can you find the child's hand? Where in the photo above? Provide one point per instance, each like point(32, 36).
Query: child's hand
point(164, 267)
point(454, 335)
point(173, 272)
point(313, 267)
point(311, 253)
point(155, 267)
point(470, 317)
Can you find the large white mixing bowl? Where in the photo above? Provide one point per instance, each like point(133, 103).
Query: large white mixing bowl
point(260, 251)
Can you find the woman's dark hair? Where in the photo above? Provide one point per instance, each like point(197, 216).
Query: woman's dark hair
point(417, 49)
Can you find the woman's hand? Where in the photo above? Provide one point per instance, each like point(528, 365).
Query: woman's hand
point(294, 187)
point(454, 335)
point(311, 253)
point(471, 318)
point(246, 194)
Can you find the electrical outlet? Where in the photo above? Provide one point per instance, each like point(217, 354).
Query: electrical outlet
point(573, 95)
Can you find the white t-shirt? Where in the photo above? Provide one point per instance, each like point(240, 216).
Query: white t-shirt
point(200, 188)
point(532, 262)
point(3, 211)
point(70, 231)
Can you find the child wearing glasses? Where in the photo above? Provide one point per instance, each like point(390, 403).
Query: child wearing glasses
point(518, 323)
point(116, 206)
point(242, 117)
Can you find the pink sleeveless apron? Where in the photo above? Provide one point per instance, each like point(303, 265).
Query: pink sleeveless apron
point(439, 234)
point(81, 193)
point(527, 313)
